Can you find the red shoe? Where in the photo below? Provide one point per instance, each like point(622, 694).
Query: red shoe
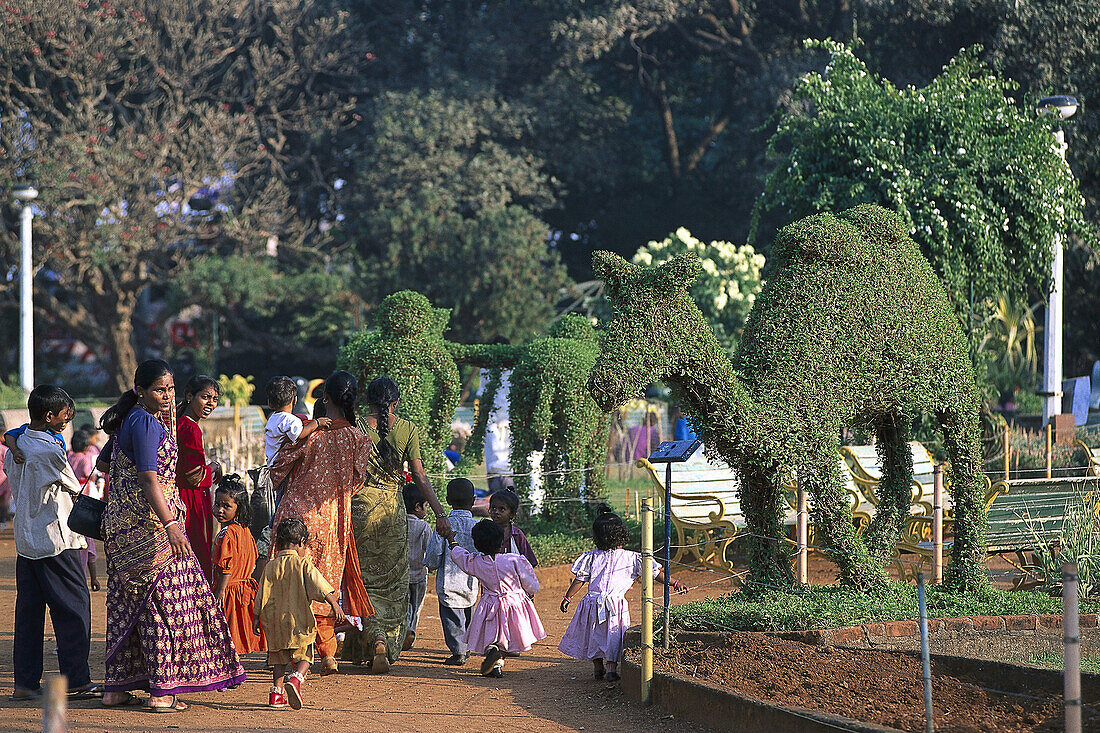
point(277, 698)
point(294, 690)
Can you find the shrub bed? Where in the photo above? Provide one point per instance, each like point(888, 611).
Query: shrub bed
point(836, 606)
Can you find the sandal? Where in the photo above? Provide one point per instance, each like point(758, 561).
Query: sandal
point(381, 663)
point(177, 706)
point(22, 693)
point(86, 692)
point(131, 700)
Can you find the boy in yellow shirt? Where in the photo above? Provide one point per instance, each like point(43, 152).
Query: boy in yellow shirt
point(288, 584)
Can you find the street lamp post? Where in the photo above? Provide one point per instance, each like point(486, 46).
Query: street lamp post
point(1064, 108)
point(25, 193)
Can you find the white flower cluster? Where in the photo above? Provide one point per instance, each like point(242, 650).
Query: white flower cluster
point(726, 289)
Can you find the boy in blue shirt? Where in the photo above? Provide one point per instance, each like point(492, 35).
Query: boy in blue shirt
point(456, 590)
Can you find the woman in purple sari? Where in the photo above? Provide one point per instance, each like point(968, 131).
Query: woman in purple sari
point(165, 631)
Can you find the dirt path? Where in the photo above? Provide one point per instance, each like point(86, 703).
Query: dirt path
point(541, 691)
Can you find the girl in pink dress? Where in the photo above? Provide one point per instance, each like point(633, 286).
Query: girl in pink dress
point(505, 619)
point(596, 631)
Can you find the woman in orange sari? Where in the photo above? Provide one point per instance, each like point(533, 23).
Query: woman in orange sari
point(321, 473)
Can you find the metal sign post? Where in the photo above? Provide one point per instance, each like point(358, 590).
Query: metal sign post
point(669, 452)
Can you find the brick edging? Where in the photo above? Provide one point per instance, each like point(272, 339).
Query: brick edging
point(936, 626)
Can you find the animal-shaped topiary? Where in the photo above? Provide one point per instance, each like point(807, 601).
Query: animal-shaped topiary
point(550, 408)
point(852, 328)
point(408, 347)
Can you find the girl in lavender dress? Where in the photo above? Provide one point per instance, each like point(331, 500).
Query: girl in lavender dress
point(596, 631)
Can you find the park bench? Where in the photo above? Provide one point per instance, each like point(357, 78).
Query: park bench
point(1022, 514)
point(706, 511)
point(863, 461)
point(1093, 457)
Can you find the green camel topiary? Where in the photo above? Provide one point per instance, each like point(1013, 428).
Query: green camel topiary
point(852, 328)
point(408, 347)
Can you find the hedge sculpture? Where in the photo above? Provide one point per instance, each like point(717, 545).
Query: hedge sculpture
point(549, 404)
point(409, 348)
point(852, 329)
point(549, 409)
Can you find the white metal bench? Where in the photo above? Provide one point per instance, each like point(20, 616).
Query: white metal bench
point(706, 510)
point(866, 468)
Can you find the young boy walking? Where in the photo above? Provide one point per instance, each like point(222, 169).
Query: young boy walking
point(48, 569)
point(420, 532)
point(457, 591)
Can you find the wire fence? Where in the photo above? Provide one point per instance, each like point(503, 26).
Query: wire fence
point(866, 664)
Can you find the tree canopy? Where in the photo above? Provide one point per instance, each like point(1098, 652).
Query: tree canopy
point(975, 178)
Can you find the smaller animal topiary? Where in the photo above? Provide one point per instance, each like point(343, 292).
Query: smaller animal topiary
point(408, 347)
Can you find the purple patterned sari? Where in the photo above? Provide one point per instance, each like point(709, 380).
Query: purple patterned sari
point(165, 631)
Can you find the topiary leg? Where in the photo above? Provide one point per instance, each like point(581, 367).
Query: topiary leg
point(961, 433)
point(761, 503)
point(895, 491)
point(821, 478)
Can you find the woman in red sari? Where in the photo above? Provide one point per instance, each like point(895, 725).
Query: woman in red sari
point(194, 475)
point(321, 473)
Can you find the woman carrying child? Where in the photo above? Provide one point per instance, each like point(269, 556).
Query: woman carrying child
point(505, 619)
point(596, 631)
point(321, 474)
point(194, 475)
point(234, 562)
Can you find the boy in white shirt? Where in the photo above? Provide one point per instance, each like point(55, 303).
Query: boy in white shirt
point(48, 570)
point(283, 428)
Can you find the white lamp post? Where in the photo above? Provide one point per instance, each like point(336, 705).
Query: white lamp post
point(25, 193)
point(1064, 108)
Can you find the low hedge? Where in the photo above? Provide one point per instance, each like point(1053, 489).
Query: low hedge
point(837, 606)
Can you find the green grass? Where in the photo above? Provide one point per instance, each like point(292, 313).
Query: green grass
point(834, 606)
point(1053, 660)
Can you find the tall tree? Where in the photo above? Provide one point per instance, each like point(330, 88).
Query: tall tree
point(157, 131)
point(974, 177)
point(443, 203)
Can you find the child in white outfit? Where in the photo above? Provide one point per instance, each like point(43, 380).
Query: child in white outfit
point(596, 631)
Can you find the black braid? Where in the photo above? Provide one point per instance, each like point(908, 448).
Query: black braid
point(381, 394)
point(343, 390)
point(347, 402)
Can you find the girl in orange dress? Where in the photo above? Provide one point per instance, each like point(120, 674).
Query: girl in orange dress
point(234, 561)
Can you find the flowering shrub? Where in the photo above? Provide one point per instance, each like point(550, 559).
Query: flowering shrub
point(727, 285)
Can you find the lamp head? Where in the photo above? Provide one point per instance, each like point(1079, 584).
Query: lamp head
point(25, 192)
point(1064, 107)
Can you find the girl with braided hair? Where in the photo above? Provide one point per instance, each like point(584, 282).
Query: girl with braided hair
point(381, 527)
point(322, 472)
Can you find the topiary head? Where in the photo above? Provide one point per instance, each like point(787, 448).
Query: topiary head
point(407, 313)
point(655, 321)
point(574, 326)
